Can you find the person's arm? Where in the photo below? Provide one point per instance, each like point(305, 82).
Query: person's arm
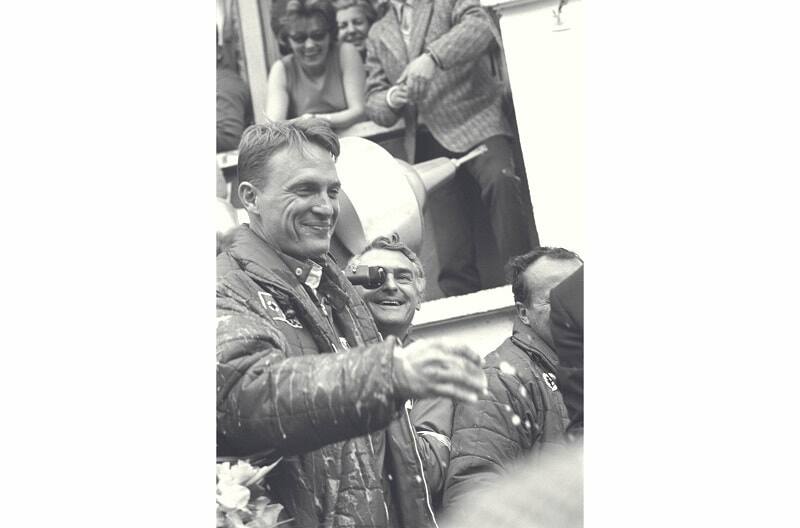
point(377, 86)
point(353, 77)
point(231, 113)
point(269, 398)
point(433, 422)
point(467, 39)
point(486, 438)
point(277, 93)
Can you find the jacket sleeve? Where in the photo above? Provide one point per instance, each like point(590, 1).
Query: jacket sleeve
point(433, 421)
point(269, 400)
point(469, 37)
point(487, 435)
point(232, 101)
point(376, 87)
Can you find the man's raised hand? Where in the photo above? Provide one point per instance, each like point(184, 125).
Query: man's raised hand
point(433, 368)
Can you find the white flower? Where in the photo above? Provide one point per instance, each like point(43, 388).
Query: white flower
point(231, 496)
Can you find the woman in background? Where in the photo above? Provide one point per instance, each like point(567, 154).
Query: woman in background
point(354, 18)
point(321, 77)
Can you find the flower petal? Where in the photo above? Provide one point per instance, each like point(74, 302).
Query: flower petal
point(233, 497)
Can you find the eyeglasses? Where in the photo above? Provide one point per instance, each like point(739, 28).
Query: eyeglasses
point(316, 36)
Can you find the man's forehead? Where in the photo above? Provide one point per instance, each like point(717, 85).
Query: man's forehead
point(546, 273)
point(386, 257)
point(308, 161)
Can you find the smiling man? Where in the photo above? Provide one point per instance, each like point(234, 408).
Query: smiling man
point(302, 374)
point(393, 305)
point(394, 302)
point(523, 413)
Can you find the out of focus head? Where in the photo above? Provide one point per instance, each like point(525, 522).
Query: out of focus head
point(393, 303)
point(289, 186)
point(308, 28)
point(354, 18)
point(532, 276)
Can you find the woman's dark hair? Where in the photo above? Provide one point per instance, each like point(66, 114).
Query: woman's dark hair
point(304, 9)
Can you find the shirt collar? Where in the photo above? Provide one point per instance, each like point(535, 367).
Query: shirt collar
point(306, 271)
point(398, 5)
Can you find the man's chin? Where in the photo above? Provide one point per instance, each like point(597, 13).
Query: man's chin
point(313, 249)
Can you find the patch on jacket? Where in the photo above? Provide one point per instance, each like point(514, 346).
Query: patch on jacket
point(269, 304)
point(550, 380)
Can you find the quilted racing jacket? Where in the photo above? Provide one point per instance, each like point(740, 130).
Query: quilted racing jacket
point(523, 415)
point(287, 384)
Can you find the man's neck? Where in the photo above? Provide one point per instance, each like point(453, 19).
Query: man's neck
point(400, 332)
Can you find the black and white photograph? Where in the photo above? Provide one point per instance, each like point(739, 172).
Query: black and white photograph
point(399, 279)
point(365, 307)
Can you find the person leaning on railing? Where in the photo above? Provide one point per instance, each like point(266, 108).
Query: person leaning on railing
point(321, 77)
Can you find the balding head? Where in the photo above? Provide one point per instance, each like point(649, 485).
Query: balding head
point(533, 276)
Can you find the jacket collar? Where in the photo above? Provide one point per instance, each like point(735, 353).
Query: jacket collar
point(533, 345)
point(306, 271)
point(265, 263)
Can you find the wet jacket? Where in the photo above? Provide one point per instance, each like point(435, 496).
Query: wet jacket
point(287, 384)
point(523, 415)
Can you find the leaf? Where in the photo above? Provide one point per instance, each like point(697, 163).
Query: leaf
point(261, 473)
point(271, 513)
point(234, 521)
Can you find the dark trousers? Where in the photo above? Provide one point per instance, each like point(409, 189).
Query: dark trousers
point(501, 192)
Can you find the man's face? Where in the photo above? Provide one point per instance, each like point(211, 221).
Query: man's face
point(299, 204)
point(542, 276)
point(393, 304)
point(353, 26)
point(309, 40)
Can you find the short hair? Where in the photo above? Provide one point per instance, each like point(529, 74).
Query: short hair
point(306, 9)
point(366, 8)
point(393, 243)
point(260, 142)
point(517, 266)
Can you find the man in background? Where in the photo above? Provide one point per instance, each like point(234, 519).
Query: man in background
point(429, 59)
point(524, 413)
point(234, 114)
point(393, 305)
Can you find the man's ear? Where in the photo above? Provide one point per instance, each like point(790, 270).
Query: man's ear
point(522, 313)
point(247, 195)
point(420, 290)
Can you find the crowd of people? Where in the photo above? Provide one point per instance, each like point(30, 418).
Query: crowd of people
point(428, 62)
point(365, 425)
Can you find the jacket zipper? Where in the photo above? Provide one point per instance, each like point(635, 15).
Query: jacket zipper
point(419, 461)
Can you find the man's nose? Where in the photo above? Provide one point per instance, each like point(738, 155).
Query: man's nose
point(389, 283)
point(324, 206)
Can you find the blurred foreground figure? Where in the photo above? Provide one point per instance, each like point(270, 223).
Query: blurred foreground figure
point(566, 324)
point(524, 414)
point(393, 305)
point(538, 492)
point(302, 374)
